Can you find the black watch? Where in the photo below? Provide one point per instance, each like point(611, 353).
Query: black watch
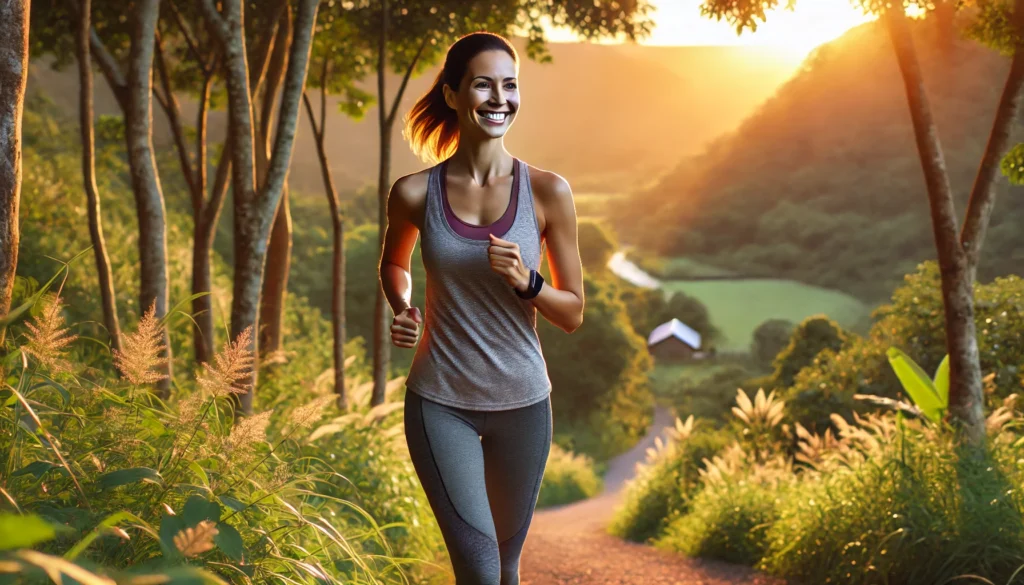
point(536, 282)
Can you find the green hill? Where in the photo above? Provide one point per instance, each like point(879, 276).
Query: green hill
point(823, 184)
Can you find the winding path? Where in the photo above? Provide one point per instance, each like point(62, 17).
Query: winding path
point(568, 545)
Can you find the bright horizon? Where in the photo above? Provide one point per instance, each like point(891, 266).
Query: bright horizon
point(679, 23)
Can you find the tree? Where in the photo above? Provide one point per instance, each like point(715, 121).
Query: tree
point(339, 67)
point(132, 40)
point(255, 207)
point(14, 22)
point(958, 253)
point(770, 338)
point(99, 245)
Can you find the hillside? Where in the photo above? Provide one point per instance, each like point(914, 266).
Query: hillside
point(598, 114)
point(822, 183)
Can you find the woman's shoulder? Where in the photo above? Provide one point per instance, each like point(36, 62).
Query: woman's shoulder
point(548, 185)
point(411, 189)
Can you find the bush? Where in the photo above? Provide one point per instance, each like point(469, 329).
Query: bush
point(809, 338)
point(596, 244)
point(568, 478)
point(770, 338)
point(907, 508)
point(664, 485)
point(729, 519)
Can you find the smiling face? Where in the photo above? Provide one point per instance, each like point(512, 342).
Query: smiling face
point(488, 97)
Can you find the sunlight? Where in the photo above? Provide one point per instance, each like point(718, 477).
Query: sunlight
point(797, 32)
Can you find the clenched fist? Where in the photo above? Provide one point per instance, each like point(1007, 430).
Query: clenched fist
point(405, 327)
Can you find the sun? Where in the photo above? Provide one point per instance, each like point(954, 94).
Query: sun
point(798, 31)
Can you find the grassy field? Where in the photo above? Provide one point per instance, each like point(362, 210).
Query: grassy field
point(737, 307)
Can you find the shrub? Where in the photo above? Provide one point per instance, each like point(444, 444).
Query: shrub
point(809, 338)
point(665, 483)
point(730, 517)
point(568, 477)
point(901, 506)
point(770, 338)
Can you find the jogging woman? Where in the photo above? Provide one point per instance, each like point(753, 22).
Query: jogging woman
point(477, 406)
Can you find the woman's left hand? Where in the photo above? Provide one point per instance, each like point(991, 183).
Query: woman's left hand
point(506, 261)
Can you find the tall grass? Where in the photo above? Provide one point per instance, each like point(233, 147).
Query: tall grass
point(103, 482)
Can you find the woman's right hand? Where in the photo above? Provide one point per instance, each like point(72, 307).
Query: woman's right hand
point(405, 327)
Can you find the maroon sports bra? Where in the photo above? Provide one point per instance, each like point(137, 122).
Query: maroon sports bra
point(480, 232)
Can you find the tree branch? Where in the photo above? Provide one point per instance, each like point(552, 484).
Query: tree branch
point(983, 193)
point(405, 81)
point(170, 106)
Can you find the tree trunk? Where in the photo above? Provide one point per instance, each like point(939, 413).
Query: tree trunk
point(381, 309)
point(254, 212)
point(338, 225)
point(278, 264)
point(204, 230)
point(149, 201)
point(13, 75)
point(99, 245)
point(965, 392)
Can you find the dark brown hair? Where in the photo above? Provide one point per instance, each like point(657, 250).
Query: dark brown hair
point(431, 127)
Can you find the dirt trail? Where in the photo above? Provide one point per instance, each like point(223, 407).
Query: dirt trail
point(568, 545)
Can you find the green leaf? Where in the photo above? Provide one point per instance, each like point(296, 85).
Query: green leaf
point(36, 468)
point(131, 475)
point(917, 384)
point(941, 382)
point(169, 527)
point(229, 541)
point(197, 509)
point(233, 503)
point(23, 531)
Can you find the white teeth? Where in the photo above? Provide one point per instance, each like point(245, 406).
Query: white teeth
point(494, 115)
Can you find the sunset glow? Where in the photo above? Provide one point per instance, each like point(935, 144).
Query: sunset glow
point(813, 22)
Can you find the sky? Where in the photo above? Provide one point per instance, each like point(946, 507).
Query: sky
point(679, 22)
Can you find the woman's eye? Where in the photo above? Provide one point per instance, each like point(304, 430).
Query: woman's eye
point(511, 86)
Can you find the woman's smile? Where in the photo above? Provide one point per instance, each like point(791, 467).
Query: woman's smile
point(493, 118)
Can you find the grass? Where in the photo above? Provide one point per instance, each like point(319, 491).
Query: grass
point(737, 307)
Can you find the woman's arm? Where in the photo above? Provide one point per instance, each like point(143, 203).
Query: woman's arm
point(403, 206)
point(560, 301)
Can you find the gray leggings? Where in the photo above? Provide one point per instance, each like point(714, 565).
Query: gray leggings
point(481, 471)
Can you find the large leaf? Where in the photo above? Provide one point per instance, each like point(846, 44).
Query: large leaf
point(941, 382)
point(917, 384)
point(130, 475)
point(36, 468)
point(197, 509)
point(170, 526)
point(230, 541)
point(23, 531)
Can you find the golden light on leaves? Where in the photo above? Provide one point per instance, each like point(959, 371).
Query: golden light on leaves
point(231, 367)
point(196, 540)
point(141, 354)
point(47, 338)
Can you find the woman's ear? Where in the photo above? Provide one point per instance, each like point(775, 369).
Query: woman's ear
point(449, 96)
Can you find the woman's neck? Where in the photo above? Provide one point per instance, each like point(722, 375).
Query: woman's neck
point(482, 161)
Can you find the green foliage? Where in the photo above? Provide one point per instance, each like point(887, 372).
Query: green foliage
point(727, 522)
point(664, 485)
point(710, 397)
point(915, 510)
point(1012, 165)
point(808, 340)
point(568, 478)
point(601, 399)
point(770, 339)
point(912, 322)
point(931, 396)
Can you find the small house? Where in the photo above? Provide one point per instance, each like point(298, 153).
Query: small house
point(674, 341)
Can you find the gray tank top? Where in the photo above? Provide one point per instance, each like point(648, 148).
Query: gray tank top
point(479, 347)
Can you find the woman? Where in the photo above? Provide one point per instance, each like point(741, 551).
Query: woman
point(477, 406)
